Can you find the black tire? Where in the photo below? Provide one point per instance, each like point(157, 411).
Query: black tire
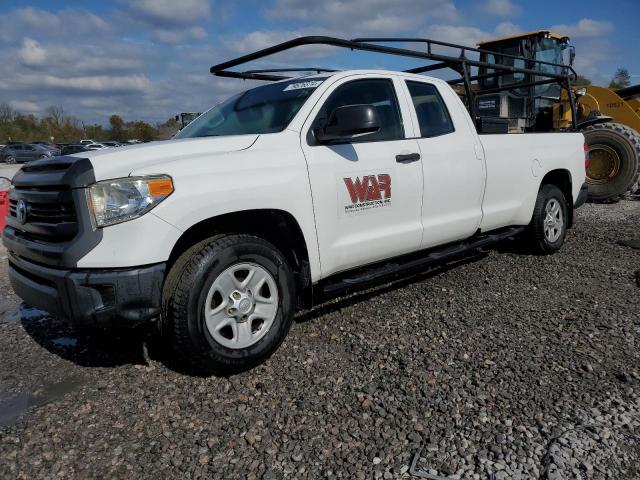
point(42, 157)
point(184, 296)
point(539, 243)
point(625, 142)
point(10, 160)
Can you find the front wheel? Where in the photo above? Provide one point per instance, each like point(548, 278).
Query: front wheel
point(10, 160)
point(229, 302)
point(548, 228)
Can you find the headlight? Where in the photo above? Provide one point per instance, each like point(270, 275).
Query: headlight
point(123, 199)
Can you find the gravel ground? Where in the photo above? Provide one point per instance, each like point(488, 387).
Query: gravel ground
point(502, 366)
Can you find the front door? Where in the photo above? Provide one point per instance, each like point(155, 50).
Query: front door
point(367, 200)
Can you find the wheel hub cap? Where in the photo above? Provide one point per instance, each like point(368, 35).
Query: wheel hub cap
point(604, 164)
point(241, 305)
point(553, 221)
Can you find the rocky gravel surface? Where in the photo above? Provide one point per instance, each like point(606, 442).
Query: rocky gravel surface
point(501, 366)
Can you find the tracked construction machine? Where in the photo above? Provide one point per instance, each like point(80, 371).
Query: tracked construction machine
point(609, 119)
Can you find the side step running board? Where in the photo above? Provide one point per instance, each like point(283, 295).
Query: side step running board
point(409, 263)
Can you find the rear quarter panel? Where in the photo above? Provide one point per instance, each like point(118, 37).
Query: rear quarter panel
point(516, 166)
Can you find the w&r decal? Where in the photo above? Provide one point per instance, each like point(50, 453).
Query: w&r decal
point(372, 191)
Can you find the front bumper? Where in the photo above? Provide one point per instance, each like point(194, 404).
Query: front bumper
point(90, 297)
point(582, 196)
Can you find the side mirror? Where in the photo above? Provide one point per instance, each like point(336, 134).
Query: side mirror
point(349, 121)
point(5, 184)
point(580, 92)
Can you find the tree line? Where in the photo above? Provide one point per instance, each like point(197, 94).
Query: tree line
point(620, 79)
point(57, 126)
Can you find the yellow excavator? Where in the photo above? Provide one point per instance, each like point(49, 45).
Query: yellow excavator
point(609, 118)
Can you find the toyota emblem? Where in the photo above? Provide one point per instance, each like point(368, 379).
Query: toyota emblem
point(21, 211)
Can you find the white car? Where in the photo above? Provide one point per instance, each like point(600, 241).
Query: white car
point(95, 146)
point(284, 194)
point(86, 141)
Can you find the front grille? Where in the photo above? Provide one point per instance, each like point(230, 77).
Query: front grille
point(47, 213)
point(55, 229)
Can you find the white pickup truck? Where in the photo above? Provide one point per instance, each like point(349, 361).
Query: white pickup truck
point(281, 194)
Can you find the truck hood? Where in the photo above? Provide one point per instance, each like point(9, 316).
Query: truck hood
point(121, 161)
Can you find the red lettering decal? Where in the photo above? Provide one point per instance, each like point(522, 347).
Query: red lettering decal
point(373, 192)
point(384, 182)
point(358, 190)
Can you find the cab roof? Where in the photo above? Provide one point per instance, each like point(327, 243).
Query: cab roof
point(546, 33)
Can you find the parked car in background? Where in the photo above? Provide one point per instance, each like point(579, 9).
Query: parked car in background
point(25, 152)
point(112, 143)
point(95, 146)
point(86, 141)
point(71, 149)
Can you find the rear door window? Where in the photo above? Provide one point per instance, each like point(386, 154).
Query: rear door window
point(433, 116)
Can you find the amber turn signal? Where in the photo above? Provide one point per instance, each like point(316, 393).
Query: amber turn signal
point(160, 187)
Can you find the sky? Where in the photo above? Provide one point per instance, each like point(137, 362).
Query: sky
point(150, 59)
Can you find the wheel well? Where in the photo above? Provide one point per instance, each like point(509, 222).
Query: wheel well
point(562, 180)
point(275, 226)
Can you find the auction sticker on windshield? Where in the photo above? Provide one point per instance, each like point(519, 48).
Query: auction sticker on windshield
point(300, 85)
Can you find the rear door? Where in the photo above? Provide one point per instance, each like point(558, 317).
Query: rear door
point(452, 161)
point(367, 203)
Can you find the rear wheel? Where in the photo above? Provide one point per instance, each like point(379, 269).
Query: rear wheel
point(10, 159)
point(548, 227)
point(614, 168)
point(228, 302)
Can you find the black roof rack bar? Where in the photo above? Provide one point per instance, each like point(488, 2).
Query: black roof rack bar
point(478, 77)
point(262, 74)
point(461, 64)
point(250, 76)
point(428, 68)
point(447, 61)
point(462, 48)
point(268, 70)
point(513, 86)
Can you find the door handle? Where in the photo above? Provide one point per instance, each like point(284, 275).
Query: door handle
point(408, 158)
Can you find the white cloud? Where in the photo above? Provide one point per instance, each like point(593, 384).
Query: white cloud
point(25, 106)
point(364, 16)
point(43, 23)
point(458, 34)
point(169, 21)
point(179, 35)
point(585, 28)
point(170, 12)
point(32, 53)
point(508, 28)
point(501, 8)
point(96, 83)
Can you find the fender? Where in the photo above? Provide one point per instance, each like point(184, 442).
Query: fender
point(593, 121)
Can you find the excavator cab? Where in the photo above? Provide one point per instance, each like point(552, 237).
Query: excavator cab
point(533, 102)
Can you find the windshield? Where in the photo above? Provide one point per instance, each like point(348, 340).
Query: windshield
point(265, 109)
